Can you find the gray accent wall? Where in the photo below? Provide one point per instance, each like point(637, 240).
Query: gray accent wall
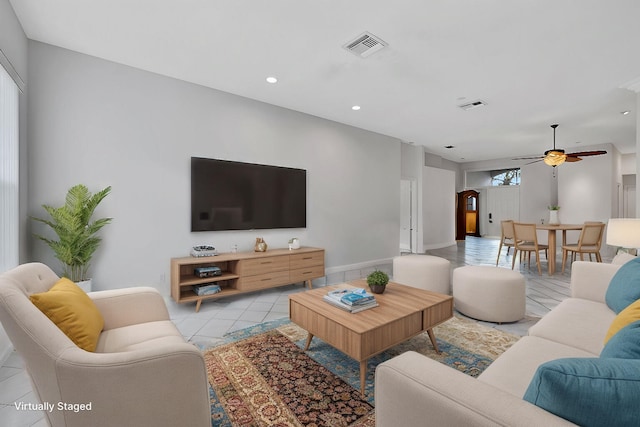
point(100, 123)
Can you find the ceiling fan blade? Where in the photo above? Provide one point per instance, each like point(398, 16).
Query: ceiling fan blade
point(535, 161)
point(529, 158)
point(587, 153)
point(571, 159)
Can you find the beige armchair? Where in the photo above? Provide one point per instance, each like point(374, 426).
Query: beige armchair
point(143, 372)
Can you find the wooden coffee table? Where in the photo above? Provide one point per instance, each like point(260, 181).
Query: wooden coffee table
point(403, 312)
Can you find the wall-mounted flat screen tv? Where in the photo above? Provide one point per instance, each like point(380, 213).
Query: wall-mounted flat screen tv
point(227, 195)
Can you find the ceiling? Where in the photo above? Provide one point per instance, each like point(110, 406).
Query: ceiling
point(533, 62)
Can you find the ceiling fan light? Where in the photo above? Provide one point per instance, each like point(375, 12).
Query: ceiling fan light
point(555, 158)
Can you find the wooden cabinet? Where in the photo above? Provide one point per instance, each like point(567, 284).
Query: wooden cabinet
point(245, 272)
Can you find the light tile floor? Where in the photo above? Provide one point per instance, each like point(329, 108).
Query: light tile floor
point(216, 318)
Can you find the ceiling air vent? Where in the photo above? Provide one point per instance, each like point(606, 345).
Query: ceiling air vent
point(472, 105)
point(365, 45)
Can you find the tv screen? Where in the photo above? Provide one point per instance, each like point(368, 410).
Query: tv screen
point(227, 195)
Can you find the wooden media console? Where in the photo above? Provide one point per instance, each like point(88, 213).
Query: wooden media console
point(245, 272)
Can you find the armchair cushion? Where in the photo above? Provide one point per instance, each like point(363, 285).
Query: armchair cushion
point(71, 309)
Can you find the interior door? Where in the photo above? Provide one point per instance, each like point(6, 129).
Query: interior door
point(501, 203)
point(629, 200)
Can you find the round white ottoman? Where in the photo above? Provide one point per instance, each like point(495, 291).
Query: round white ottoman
point(427, 272)
point(488, 293)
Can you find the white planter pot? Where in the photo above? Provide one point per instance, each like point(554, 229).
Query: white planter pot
point(85, 285)
point(554, 218)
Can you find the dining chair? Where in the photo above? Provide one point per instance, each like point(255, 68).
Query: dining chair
point(526, 241)
point(589, 242)
point(506, 237)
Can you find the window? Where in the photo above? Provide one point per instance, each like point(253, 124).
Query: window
point(9, 197)
point(505, 177)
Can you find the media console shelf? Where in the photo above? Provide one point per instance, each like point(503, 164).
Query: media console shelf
point(245, 272)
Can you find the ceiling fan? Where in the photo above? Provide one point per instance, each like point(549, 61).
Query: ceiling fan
point(557, 156)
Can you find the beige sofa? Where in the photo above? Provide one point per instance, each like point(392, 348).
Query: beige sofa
point(142, 373)
point(414, 390)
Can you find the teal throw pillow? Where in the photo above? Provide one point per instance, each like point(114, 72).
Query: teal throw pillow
point(589, 391)
point(625, 344)
point(624, 287)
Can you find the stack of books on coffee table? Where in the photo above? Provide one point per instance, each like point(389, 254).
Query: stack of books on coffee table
point(352, 300)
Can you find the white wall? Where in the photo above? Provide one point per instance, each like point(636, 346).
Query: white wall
point(585, 188)
point(538, 190)
point(588, 190)
point(101, 123)
point(438, 208)
point(628, 164)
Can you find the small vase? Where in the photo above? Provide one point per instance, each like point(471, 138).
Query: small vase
point(377, 289)
point(261, 245)
point(553, 218)
point(294, 244)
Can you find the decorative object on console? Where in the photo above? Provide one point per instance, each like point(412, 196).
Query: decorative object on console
point(77, 239)
point(294, 243)
point(553, 214)
point(377, 281)
point(203, 250)
point(261, 245)
point(625, 234)
point(208, 271)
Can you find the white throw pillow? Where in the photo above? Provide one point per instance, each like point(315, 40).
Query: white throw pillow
point(622, 258)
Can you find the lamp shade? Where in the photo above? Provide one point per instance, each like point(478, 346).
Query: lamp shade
point(624, 232)
point(554, 157)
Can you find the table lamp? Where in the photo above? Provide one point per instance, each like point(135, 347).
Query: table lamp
point(624, 233)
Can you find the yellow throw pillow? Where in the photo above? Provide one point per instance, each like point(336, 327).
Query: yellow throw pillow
point(71, 309)
point(625, 317)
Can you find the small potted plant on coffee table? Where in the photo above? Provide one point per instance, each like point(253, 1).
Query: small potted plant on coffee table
point(377, 281)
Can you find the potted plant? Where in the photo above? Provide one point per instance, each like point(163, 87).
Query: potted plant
point(76, 232)
point(553, 214)
point(377, 281)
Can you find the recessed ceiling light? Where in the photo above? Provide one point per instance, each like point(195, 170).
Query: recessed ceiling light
point(272, 79)
point(624, 113)
point(448, 146)
point(355, 107)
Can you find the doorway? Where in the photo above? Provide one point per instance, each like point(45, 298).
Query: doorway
point(467, 217)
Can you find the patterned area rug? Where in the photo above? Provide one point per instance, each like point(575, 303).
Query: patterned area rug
point(261, 377)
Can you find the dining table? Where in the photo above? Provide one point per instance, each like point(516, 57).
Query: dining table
point(552, 229)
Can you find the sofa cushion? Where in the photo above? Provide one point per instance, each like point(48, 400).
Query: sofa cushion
point(625, 317)
point(624, 287)
point(589, 391)
point(578, 323)
point(71, 309)
point(625, 344)
point(513, 370)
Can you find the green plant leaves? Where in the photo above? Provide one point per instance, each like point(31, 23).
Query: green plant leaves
point(77, 240)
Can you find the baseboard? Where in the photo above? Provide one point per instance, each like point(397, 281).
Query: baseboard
point(357, 266)
point(438, 245)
